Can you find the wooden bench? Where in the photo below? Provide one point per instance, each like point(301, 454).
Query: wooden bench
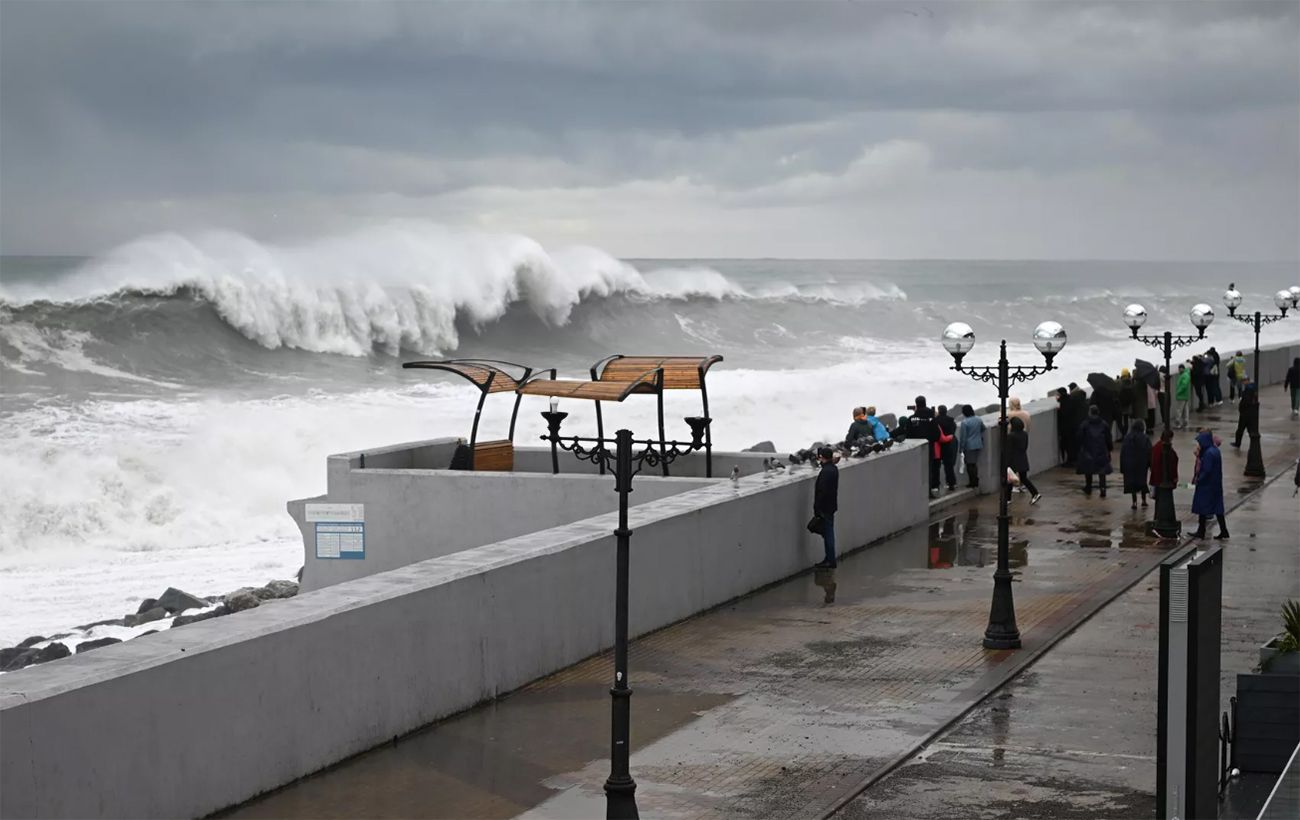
point(495, 456)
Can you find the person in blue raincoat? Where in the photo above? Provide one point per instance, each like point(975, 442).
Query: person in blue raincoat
point(1208, 499)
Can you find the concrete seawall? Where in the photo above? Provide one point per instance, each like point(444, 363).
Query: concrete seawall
point(191, 720)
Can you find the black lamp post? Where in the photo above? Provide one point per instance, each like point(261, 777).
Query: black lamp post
point(1166, 522)
point(1202, 316)
point(626, 460)
point(1283, 299)
point(958, 339)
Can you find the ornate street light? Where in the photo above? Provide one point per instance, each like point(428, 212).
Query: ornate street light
point(958, 339)
point(1166, 523)
point(1283, 300)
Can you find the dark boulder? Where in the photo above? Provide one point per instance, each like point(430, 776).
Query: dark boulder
point(174, 600)
point(276, 589)
point(155, 614)
point(146, 605)
point(9, 653)
point(761, 447)
point(96, 644)
point(242, 599)
point(182, 620)
point(30, 657)
point(32, 641)
point(52, 653)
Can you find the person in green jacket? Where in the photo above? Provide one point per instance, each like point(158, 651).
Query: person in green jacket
point(1182, 398)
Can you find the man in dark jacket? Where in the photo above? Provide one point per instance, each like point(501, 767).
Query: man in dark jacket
point(1198, 381)
point(947, 445)
point(1078, 411)
point(1095, 446)
point(1213, 387)
point(1247, 411)
point(826, 502)
point(923, 426)
point(860, 429)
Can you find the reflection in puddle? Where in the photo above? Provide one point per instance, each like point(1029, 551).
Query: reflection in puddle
point(825, 578)
point(1132, 534)
point(965, 541)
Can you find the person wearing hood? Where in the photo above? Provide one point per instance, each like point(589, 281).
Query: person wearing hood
point(1018, 458)
point(1095, 446)
point(1135, 461)
point(1292, 384)
point(947, 446)
point(1164, 478)
point(1207, 501)
point(970, 441)
point(1247, 412)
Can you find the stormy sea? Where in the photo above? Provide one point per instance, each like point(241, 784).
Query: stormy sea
point(161, 402)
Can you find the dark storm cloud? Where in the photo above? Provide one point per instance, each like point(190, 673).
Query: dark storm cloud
point(182, 113)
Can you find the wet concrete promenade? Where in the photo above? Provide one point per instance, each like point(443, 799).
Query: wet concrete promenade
point(792, 701)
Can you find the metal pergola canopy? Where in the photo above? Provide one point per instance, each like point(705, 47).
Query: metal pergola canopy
point(489, 376)
point(614, 378)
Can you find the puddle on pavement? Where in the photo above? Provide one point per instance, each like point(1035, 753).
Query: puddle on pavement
point(971, 540)
point(491, 761)
point(1130, 534)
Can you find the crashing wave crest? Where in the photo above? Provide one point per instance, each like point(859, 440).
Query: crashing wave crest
point(397, 286)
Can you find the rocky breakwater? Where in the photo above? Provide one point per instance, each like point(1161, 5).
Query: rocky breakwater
point(169, 610)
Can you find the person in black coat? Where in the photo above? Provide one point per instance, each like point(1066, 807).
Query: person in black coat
point(1078, 404)
point(1018, 458)
point(826, 502)
point(947, 445)
point(1198, 381)
point(1095, 446)
point(1135, 461)
point(1247, 411)
point(922, 426)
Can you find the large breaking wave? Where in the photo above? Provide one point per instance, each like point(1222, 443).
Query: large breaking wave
point(401, 286)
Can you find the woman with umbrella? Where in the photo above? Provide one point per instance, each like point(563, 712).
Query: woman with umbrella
point(1095, 445)
point(1164, 478)
point(1134, 460)
point(1208, 499)
point(1105, 395)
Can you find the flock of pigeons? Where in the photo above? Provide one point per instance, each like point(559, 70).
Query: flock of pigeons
point(858, 449)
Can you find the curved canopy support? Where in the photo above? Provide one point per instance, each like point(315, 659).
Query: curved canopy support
point(489, 376)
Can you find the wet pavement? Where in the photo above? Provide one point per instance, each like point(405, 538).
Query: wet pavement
point(1075, 735)
point(791, 700)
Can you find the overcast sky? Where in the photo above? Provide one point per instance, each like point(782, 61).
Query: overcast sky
point(685, 129)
